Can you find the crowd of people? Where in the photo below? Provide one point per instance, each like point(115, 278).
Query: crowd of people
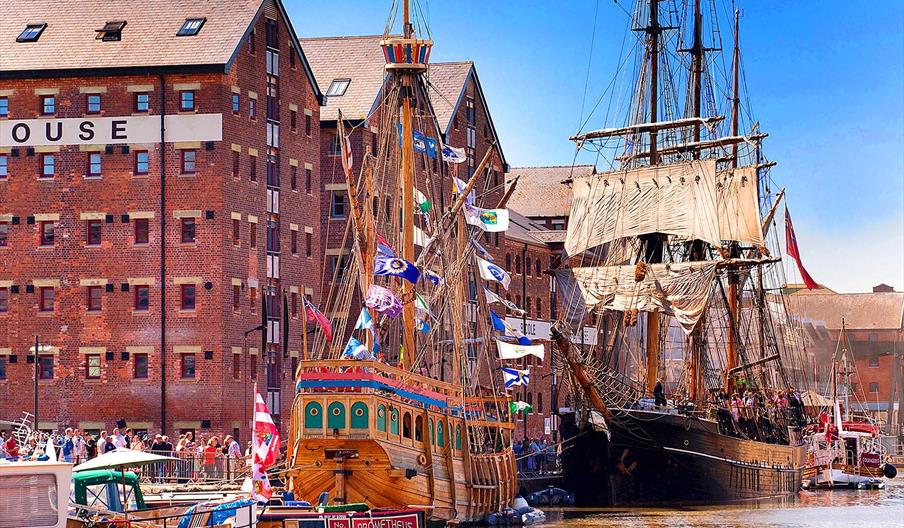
point(764, 414)
point(208, 457)
point(536, 456)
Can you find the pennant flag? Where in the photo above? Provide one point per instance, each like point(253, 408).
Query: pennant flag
point(492, 272)
point(490, 220)
point(515, 377)
point(421, 202)
point(365, 322)
point(794, 252)
point(516, 351)
point(460, 187)
point(454, 155)
point(433, 277)
point(356, 350)
point(265, 437)
point(493, 298)
point(520, 406)
point(396, 267)
point(383, 300)
point(484, 254)
point(316, 315)
point(423, 326)
point(502, 326)
point(422, 307)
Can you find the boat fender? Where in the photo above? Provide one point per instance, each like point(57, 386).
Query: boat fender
point(889, 470)
point(422, 459)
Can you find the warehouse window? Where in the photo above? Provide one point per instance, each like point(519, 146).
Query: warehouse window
point(92, 366)
point(188, 366)
point(186, 100)
point(141, 366)
point(188, 230)
point(142, 102)
point(142, 231)
point(47, 295)
point(874, 386)
point(31, 33)
point(48, 165)
point(235, 104)
point(48, 104)
point(142, 162)
point(94, 298)
point(4, 166)
point(45, 363)
point(338, 87)
point(142, 298)
point(189, 158)
point(47, 233)
point(187, 298)
point(191, 27)
point(4, 106)
point(94, 165)
point(93, 232)
point(337, 207)
point(93, 103)
point(4, 300)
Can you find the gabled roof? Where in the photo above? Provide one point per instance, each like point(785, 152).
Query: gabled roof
point(359, 59)
point(540, 191)
point(860, 311)
point(523, 229)
point(149, 42)
point(447, 84)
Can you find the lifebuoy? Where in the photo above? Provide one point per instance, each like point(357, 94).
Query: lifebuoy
point(422, 459)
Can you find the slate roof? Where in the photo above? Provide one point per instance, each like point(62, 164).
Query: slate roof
point(540, 191)
point(148, 42)
point(860, 311)
point(523, 229)
point(357, 58)
point(447, 82)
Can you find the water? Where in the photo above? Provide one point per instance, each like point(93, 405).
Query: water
point(821, 509)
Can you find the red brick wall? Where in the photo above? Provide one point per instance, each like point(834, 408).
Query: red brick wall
point(214, 326)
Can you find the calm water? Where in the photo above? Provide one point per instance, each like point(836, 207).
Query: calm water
point(848, 508)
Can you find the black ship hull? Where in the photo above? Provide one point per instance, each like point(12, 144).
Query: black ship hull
point(656, 457)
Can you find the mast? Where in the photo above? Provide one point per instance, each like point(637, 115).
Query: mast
point(733, 278)
point(697, 68)
point(736, 88)
point(408, 312)
point(654, 30)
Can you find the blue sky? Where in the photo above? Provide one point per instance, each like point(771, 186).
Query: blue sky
point(824, 78)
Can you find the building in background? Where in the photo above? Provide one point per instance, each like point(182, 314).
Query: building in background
point(159, 180)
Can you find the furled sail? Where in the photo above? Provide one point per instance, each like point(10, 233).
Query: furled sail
point(678, 199)
point(687, 199)
point(677, 289)
point(739, 210)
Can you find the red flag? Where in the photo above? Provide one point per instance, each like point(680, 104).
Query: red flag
point(316, 315)
point(794, 252)
point(265, 437)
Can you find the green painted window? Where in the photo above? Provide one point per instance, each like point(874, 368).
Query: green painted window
point(381, 418)
point(393, 421)
point(440, 434)
point(430, 430)
point(457, 437)
point(360, 415)
point(335, 416)
point(313, 416)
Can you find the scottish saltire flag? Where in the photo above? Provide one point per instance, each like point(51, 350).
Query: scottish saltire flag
point(490, 220)
point(482, 251)
point(492, 272)
point(460, 187)
point(514, 377)
point(502, 326)
point(454, 155)
point(493, 298)
point(383, 300)
point(396, 267)
point(433, 277)
point(365, 322)
point(516, 351)
point(520, 406)
point(423, 326)
point(265, 440)
point(356, 350)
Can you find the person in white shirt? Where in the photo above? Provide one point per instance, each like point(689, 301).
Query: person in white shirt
point(119, 441)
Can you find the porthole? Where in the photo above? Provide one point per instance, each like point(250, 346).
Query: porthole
point(313, 411)
point(381, 412)
point(394, 416)
point(359, 412)
point(336, 411)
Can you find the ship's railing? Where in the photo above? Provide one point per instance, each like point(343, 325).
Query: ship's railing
point(167, 517)
point(310, 369)
point(190, 468)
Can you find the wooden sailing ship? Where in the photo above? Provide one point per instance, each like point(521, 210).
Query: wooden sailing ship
point(422, 423)
point(669, 254)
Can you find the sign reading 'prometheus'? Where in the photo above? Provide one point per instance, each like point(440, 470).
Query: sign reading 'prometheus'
point(110, 130)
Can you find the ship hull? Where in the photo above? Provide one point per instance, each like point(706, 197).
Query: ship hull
point(659, 458)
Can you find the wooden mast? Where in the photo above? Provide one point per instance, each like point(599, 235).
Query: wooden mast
point(732, 355)
point(698, 335)
point(697, 68)
point(652, 356)
point(407, 190)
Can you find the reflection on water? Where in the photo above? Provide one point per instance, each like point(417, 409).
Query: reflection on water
point(849, 508)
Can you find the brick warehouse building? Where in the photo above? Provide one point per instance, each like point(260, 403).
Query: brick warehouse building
point(140, 259)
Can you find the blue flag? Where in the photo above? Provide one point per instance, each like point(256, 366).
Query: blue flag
point(396, 267)
point(423, 326)
point(501, 326)
point(433, 277)
point(364, 320)
point(355, 349)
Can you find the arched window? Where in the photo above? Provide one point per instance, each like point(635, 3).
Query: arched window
point(440, 433)
point(527, 307)
point(539, 270)
point(539, 308)
point(406, 425)
point(530, 399)
point(313, 416)
point(393, 421)
point(335, 416)
point(419, 428)
point(508, 261)
point(457, 437)
point(360, 415)
point(381, 418)
point(430, 430)
point(517, 264)
point(518, 301)
point(540, 402)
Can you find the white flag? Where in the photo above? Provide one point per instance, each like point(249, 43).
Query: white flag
point(454, 155)
point(490, 271)
point(493, 298)
point(460, 187)
point(516, 351)
point(490, 220)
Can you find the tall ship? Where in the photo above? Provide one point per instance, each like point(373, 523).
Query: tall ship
point(691, 394)
point(405, 406)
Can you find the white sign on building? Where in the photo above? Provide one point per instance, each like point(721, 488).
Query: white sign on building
point(110, 130)
point(535, 329)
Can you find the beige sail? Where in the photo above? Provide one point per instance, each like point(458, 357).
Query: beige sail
point(675, 199)
point(677, 289)
point(739, 209)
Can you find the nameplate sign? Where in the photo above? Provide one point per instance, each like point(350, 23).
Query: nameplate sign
point(110, 130)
